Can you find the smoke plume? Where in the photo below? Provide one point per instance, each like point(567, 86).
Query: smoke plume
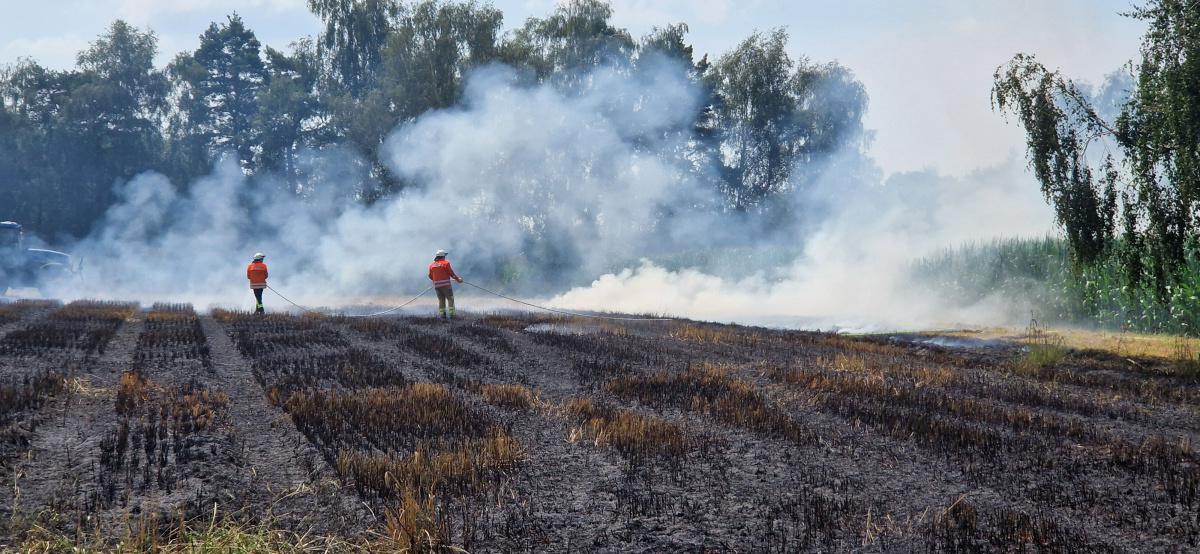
point(579, 198)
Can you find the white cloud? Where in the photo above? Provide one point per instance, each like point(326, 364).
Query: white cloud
point(965, 25)
point(144, 11)
point(930, 80)
point(50, 51)
point(642, 14)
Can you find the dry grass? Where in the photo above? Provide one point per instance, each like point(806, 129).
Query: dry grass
point(710, 389)
point(86, 310)
point(434, 467)
point(416, 524)
point(887, 366)
point(376, 328)
point(511, 396)
point(861, 346)
point(14, 311)
point(193, 407)
point(215, 533)
point(519, 321)
point(133, 389)
point(170, 316)
point(637, 437)
point(422, 410)
point(1119, 343)
point(1045, 350)
point(965, 527)
point(933, 401)
point(1184, 360)
point(714, 335)
point(28, 393)
point(82, 326)
point(1041, 356)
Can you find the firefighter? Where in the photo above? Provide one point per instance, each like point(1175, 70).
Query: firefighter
point(256, 272)
point(441, 274)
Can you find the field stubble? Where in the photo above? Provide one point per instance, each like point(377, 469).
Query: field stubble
point(512, 431)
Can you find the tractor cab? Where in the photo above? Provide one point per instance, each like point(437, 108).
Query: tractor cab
point(11, 236)
point(21, 266)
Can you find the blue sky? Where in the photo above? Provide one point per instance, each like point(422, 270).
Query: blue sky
point(927, 64)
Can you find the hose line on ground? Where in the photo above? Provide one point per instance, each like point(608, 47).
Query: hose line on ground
point(384, 312)
point(565, 312)
point(489, 291)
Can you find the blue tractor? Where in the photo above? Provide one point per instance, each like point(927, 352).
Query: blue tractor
point(21, 266)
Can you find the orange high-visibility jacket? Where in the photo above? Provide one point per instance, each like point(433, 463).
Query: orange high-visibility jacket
point(441, 273)
point(256, 272)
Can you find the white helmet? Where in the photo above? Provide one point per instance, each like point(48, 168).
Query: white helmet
point(259, 256)
point(441, 254)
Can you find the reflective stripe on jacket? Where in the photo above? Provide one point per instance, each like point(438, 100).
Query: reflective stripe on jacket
point(256, 272)
point(441, 273)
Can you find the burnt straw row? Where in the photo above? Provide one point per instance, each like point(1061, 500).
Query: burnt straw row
point(435, 465)
point(168, 426)
point(82, 328)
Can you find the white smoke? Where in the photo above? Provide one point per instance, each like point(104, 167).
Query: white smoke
point(591, 169)
point(854, 273)
point(594, 169)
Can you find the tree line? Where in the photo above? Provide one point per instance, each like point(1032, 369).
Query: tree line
point(1125, 188)
point(67, 137)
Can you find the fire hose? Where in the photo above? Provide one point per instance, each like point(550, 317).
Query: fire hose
point(565, 312)
point(489, 291)
point(387, 311)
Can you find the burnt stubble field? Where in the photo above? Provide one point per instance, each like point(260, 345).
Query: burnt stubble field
point(521, 432)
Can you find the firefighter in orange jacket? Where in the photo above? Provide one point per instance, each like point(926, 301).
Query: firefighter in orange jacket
point(441, 274)
point(256, 272)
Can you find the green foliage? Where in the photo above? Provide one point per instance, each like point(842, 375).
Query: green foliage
point(220, 83)
point(67, 137)
point(1045, 350)
point(1159, 132)
point(772, 114)
point(1156, 183)
point(1041, 273)
point(352, 43)
point(285, 107)
point(425, 59)
point(1060, 123)
point(1043, 356)
point(671, 41)
point(577, 37)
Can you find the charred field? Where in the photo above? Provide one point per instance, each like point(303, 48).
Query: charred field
point(122, 427)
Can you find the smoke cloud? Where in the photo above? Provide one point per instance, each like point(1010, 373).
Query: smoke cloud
point(600, 170)
point(854, 270)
